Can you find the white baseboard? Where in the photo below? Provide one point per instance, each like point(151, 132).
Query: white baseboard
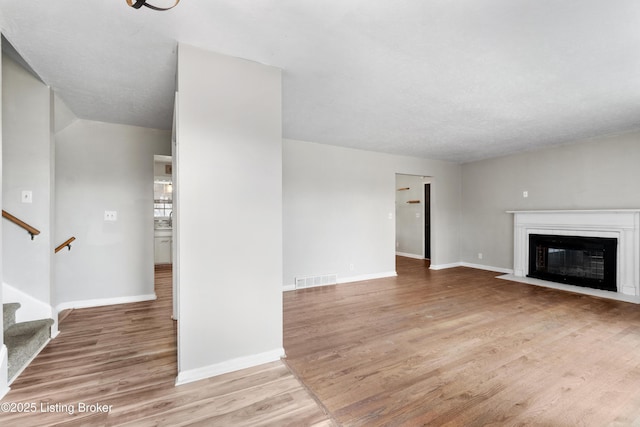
point(232, 365)
point(408, 255)
point(4, 383)
point(445, 266)
point(54, 328)
point(350, 279)
point(364, 277)
point(105, 301)
point(487, 267)
point(470, 265)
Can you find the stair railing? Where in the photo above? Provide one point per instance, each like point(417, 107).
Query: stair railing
point(31, 230)
point(65, 244)
point(34, 231)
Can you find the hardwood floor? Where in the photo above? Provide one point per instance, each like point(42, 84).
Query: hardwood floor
point(459, 347)
point(453, 347)
point(124, 359)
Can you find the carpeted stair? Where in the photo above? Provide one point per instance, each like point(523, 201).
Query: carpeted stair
point(9, 314)
point(23, 340)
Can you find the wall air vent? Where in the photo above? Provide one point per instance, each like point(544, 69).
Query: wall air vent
point(313, 281)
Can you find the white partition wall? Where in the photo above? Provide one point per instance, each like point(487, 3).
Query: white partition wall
point(4, 387)
point(229, 180)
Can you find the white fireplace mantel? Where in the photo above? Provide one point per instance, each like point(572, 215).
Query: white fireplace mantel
point(621, 224)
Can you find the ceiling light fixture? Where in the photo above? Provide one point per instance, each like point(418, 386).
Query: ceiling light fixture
point(137, 4)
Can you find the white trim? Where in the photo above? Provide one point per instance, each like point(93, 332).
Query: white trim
point(232, 365)
point(445, 266)
point(571, 288)
point(364, 277)
point(4, 363)
point(105, 301)
point(580, 211)
point(487, 267)
point(408, 255)
point(351, 279)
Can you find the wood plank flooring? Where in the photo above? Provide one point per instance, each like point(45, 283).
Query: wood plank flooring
point(453, 347)
point(124, 358)
point(459, 347)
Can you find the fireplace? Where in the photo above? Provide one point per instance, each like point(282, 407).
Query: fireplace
point(620, 273)
point(574, 260)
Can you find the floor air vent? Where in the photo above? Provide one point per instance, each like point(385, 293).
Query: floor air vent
point(312, 281)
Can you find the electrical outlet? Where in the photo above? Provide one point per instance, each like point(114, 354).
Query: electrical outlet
point(525, 194)
point(351, 267)
point(110, 215)
point(27, 196)
point(480, 255)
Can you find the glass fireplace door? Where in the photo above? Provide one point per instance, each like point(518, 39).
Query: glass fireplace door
point(582, 261)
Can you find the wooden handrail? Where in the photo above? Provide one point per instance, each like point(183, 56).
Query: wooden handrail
point(31, 230)
point(67, 244)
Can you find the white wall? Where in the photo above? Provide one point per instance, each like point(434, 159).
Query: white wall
point(159, 167)
point(63, 116)
point(229, 213)
point(28, 165)
point(600, 173)
point(4, 388)
point(337, 207)
point(102, 166)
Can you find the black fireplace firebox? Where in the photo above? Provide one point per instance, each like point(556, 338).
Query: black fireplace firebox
point(574, 260)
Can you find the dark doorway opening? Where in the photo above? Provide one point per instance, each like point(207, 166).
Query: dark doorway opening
point(427, 221)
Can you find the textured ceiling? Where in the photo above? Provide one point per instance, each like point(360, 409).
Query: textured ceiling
point(451, 80)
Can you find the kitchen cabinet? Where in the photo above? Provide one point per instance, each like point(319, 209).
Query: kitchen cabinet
point(162, 246)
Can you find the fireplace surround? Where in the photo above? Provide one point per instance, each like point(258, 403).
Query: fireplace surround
point(619, 227)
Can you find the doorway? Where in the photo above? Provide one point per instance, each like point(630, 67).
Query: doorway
point(413, 216)
point(162, 210)
point(163, 220)
point(427, 221)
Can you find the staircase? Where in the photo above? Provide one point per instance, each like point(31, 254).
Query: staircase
point(24, 340)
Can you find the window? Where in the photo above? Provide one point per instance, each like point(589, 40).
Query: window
point(162, 208)
point(162, 195)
